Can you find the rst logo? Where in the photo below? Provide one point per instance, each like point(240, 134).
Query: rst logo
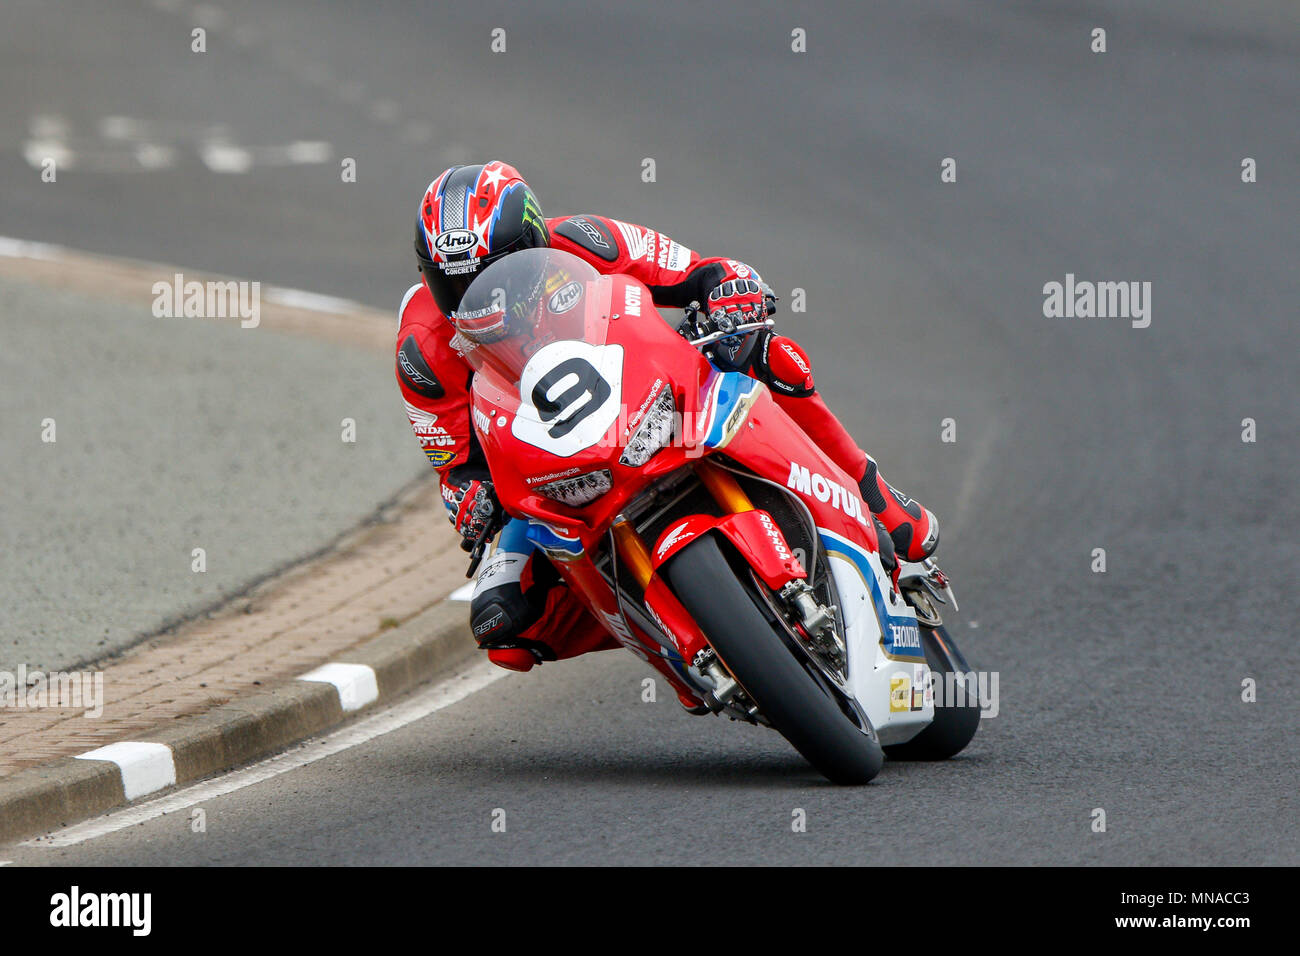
point(592, 232)
point(809, 483)
point(453, 242)
point(796, 358)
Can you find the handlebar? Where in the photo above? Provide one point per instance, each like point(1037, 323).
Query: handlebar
point(696, 321)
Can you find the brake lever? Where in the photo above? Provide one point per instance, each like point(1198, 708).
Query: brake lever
point(942, 581)
point(689, 327)
point(480, 544)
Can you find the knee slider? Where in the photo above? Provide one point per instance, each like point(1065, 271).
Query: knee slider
point(786, 366)
point(499, 615)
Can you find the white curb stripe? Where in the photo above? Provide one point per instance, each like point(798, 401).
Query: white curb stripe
point(356, 683)
point(145, 767)
point(313, 301)
point(13, 248)
point(451, 690)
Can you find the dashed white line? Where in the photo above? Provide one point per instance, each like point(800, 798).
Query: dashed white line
point(452, 690)
point(224, 158)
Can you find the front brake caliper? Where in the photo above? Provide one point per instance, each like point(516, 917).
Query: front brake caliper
point(817, 619)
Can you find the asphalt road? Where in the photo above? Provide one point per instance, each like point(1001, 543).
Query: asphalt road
point(1119, 690)
point(170, 435)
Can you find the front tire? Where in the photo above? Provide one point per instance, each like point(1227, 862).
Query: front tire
point(796, 702)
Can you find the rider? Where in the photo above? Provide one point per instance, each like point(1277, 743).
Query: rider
point(471, 216)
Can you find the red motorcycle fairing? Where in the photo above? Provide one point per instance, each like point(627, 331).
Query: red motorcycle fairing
point(753, 533)
point(519, 468)
point(772, 446)
point(629, 355)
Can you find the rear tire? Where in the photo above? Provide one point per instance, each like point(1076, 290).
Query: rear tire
point(790, 697)
point(953, 725)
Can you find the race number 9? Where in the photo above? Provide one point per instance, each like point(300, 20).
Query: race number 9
point(569, 396)
point(573, 404)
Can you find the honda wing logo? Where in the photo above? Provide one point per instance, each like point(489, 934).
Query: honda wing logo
point(672, 538)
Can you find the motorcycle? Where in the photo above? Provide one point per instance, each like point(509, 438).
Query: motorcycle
point(701, 527)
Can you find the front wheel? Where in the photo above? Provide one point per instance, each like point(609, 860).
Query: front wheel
point(799, 702)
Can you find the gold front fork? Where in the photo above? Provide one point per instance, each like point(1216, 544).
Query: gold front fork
point(632, 551)
point(724, 488)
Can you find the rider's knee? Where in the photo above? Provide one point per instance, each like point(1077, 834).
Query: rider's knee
point(499, 611)
point(499, 614)
point(784, 366)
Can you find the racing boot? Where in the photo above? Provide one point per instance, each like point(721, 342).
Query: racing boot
point(913, 529)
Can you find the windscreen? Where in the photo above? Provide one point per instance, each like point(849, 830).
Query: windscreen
point(523, 302)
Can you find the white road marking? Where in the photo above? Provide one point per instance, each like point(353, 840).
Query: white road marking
point(145, 767)
point(356, 683)
point(125, 144)
point(224, 158)
point(455, 688)
point(313, 301)
point(37, 151)
point(22, 249)
point(301, 152)
point(11, 248)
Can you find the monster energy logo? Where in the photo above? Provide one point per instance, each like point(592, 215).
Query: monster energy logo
point(533, 212)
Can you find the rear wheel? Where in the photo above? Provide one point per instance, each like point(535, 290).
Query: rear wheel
point(957, 708)
point(796, 699)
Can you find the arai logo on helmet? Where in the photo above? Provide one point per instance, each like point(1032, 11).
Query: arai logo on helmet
point(455, 241)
